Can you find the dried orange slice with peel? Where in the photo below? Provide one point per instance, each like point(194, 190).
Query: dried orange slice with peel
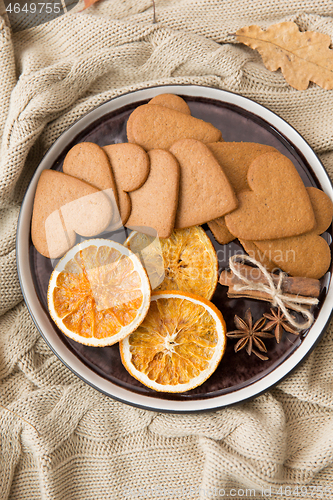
point(149, 250)
point(178, 345)
point(98, 292)
point(190, 261)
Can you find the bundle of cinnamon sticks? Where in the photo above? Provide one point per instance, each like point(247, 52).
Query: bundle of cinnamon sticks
point(290, 287)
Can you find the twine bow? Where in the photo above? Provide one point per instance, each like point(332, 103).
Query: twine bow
point(275, 291)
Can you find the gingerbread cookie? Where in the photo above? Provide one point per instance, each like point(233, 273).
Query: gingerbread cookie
point(256, 254)
point(205, 192)
point(89, 163)
point(154, 205)
point(63, 207)
point(130, 165)
point(278, 205)
point(308, 254)
point(323, 209)
point(130, 136)
point(220, 231)
point(171, 101)
point(155, 126)
point(235, 159)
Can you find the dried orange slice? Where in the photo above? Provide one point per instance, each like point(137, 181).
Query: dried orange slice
point(98, 293)
point(190, 261)
point(178, 345)
point(149, 250)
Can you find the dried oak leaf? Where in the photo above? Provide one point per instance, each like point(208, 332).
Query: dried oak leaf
point(302, 56)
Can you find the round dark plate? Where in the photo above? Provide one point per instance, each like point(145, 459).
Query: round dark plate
point(238, 376)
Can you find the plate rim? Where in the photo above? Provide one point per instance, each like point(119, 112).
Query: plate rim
point(41, 319)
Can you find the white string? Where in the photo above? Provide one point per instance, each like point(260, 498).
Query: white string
point(278, 298)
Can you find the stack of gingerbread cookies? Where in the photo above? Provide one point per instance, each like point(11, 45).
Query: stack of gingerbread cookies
point(176, 171)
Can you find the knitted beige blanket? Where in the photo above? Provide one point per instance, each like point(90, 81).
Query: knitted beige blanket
point(89, 447)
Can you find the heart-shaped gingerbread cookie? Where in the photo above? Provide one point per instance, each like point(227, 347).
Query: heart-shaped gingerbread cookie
point(89, 163)
point(154, 205)
point(171, 101)
point(205, 192)
point(153, 126)
point(235, 159)
point(305, 255)
point(130, 165)
point(254, 252)
point(278, 205)
point(220, 231)
point(63, 207)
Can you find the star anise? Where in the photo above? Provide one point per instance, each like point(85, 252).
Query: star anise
point(279, 322)
point(249, 335)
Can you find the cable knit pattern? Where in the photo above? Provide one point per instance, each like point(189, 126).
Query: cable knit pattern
point(72, 442)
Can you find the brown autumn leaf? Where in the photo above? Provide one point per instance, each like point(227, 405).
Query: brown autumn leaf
point(302, 56)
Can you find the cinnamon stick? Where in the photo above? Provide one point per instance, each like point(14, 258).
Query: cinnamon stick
point(259, 295)
point(307, 287)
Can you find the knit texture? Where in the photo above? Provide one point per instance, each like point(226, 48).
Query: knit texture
point(85, 446)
